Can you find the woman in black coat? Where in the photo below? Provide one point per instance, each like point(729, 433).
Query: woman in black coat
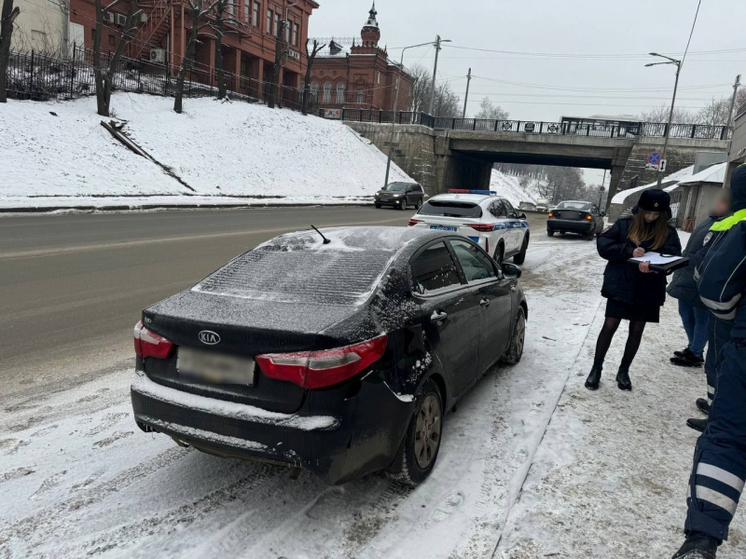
point(634, 293)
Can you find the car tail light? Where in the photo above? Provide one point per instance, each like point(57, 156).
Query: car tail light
point(487, 246)
point(414, 221)
point(482, 227)
point(320, 369)
point(150, 344)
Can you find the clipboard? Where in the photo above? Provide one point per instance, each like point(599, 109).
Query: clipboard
point(665, 264)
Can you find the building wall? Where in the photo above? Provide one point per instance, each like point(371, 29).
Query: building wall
point(40, 27)
point(250, 51)
point(737, 152)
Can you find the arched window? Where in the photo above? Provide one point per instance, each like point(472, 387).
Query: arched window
point(340, 93)
point(360, 96)
point(327, 92)
point(315, 90)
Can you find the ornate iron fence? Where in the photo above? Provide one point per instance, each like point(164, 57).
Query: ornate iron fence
point(694, 131)
point(40, 77)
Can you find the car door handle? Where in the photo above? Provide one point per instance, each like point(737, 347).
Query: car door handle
point(438, 316)
point(485, 302)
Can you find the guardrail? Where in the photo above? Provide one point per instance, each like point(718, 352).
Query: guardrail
point(655, 130)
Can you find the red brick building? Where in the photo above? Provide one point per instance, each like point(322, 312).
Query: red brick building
point(248, 52)
point(359, 76)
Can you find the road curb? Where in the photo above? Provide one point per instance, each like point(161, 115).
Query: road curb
point(145, 207)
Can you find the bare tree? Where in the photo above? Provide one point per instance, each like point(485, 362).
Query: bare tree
point(310, 57)
point(490, 111)
point(660, 114)
point(104, 76)
point(221, 18)
point(447, 102)
point(280, 54)
point(8, 15)
point(715, 113)
point(200, 9)
point(420, 87)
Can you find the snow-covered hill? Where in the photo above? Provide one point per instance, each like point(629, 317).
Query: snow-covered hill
point(58, 154)
point(509, 187)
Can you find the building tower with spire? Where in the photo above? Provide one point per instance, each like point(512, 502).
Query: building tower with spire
point(371, 34)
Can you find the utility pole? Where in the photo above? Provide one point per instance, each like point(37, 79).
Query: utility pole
point(435, 73)
point(733, 103)
point(466, 97)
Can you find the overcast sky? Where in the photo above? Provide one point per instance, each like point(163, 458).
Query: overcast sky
point(597, 49)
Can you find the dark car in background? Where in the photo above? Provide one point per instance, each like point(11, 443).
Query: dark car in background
point(575, 216)
point(400, 195)
point(338, 354)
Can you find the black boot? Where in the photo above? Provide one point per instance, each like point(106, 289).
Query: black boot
point(680, 353)
point(687, 359)
point(697, 424)
point(594, 378)
point(698, 546)
point(622, 378)
point(703, 406)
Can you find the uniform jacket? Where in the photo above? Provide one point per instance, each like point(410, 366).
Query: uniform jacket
point(721, 275)
point(683, 286)
point(622, 280)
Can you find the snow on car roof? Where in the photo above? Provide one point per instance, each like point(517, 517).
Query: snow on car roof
point(475, 198)
point(299, 267)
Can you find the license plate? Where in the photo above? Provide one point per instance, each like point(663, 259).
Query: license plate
point(214, 368)
point(442, 228)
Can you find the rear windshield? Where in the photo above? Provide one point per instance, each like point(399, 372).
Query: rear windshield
point(581, 206)
point(448, 208)
point(299, 268)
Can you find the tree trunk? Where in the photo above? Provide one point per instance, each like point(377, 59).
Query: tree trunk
point(6, 30)
point(310, 58)
point(186, 62)
point(279, 48)
point(98, 67)
point(219, 62)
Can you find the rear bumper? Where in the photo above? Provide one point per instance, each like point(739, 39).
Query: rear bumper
point(356, 440)
point(570, 225)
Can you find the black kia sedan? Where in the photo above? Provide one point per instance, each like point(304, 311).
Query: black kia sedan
point(576, 216)
point(337, 351)
point(400, 195)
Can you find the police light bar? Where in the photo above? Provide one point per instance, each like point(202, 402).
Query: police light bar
point(467, 191)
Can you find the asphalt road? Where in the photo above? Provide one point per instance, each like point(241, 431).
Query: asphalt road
point(73, 285)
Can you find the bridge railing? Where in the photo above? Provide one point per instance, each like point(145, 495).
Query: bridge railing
point(597, 130)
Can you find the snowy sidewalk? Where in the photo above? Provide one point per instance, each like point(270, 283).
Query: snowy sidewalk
point(610, 477)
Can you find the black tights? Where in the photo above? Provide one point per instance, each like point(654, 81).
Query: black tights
point(636, 328)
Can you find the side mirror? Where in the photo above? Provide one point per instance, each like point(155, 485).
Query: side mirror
point(522, 215)
point(603, 214)
point(511, 270)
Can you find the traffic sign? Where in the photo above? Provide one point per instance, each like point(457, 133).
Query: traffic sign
point(654, 158)
point(662, 166)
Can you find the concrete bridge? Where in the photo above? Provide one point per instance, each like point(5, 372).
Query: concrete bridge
point(456, 158)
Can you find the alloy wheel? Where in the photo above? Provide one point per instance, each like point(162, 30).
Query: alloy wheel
point(427, 431)
point(520, 334)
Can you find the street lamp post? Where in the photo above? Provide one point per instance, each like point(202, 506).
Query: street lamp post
point(669, 60)
point(396, 107)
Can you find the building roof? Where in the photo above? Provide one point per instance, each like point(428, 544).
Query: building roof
point(669, 183)
point(372, 21)
point(333, 49)
point(713, 174)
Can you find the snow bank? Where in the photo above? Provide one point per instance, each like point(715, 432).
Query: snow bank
point(510, 188)
point(227, 152)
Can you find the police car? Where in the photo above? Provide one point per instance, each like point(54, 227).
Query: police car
point(481, 215)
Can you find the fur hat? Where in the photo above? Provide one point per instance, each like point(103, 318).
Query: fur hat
point(654, 200)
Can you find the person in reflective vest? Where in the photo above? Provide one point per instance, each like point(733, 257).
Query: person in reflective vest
point(719, 471)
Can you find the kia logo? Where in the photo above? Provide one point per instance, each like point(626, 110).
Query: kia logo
point(208, 337)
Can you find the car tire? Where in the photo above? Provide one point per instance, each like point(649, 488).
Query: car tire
point(517, 340)
point(416, 458)
point(499, 253)
point(550, 233)
point(378, 206)
point(520, 258)
point(403, 205)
